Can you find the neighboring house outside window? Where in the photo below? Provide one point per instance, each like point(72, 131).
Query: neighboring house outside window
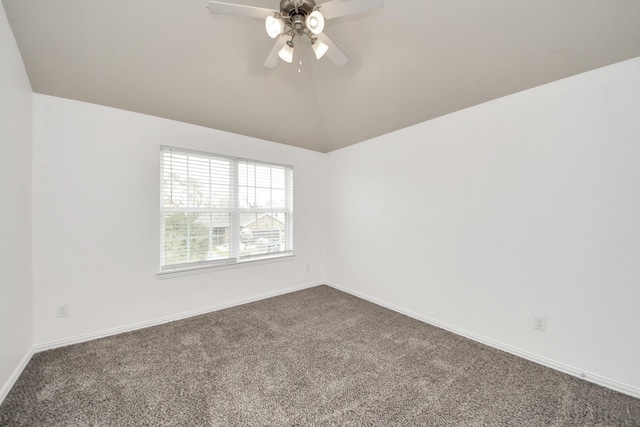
point(218, 210)
point(219, 235)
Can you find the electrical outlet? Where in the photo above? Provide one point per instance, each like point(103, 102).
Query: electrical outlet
point(308, 268)
point(540, 323)
point(62, 310)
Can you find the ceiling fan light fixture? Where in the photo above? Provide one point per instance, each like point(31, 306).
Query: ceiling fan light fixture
point(319, 48)
point(298, 18)
point(286, 53)
point(315, 22)
point(274, 26)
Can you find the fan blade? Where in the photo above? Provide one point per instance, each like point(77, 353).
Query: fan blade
point(334, 53)
point(239, 9)
point(272, 59)
point(336, 8)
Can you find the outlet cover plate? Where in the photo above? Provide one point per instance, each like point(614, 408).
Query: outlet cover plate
point(62, 310)
point(540, 323)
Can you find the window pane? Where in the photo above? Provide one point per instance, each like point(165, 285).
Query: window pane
point(277, 199)
point(198, 182)
point(175, 189)
point(263, 176)
point(175, 238)
point(220, 175)
point(199, 225)
point(262, 233)
point(220, 233)
point(277, 178)
point(246, 173)
point(247, 197)
point(220, 196)
point(263, 198)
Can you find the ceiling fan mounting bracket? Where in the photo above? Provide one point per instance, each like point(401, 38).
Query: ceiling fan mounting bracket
point(297, 24)
point(295, 7)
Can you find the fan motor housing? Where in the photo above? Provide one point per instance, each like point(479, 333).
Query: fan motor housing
point(288, 7)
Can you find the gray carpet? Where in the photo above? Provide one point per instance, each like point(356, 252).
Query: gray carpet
point(314, 357)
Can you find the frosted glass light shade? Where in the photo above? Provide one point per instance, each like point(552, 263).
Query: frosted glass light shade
point(274, 26)
point(315, 22)
point(319, 49)
point(286, 53)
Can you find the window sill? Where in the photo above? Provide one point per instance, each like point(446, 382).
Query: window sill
point(188, 271)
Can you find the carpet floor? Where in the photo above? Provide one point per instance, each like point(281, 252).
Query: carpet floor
point(313, 357)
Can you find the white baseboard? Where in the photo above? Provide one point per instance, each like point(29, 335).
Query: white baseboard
point(576, 372)
point(159, 321)
point(16, 373)
point(596, 379)
point(140, 325)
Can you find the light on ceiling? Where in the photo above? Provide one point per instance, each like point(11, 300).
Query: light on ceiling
point(319, 48)
point(315, 22)
point(274, 26)
point(299, 21)
point(286, 53)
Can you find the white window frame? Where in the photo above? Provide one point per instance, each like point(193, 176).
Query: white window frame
point(235, 258)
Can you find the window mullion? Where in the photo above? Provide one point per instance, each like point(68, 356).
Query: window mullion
point(188, 217)
point(235, 214)
point(288, 200)
point(210, 201)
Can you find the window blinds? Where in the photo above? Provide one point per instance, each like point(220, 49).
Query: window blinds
point(220, 210)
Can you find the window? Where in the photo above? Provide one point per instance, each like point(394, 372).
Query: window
point(218, 210)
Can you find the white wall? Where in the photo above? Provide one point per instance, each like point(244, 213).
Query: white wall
point(15, 207)
point(526, 205)
point(96, 219)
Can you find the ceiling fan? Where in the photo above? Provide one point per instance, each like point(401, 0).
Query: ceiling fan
point(299, 18)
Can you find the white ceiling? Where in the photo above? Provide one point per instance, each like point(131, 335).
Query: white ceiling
point(413, 61)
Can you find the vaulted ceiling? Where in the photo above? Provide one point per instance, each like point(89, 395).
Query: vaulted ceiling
point(411, 62)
